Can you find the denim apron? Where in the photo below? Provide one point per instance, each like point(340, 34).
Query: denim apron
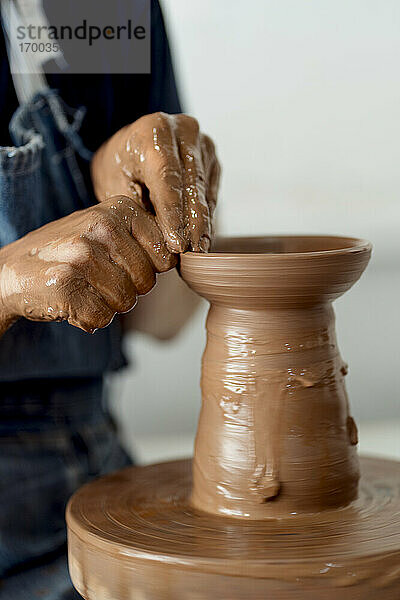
point(40, 181)
point(55, 433)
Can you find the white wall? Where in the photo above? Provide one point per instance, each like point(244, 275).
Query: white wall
point(303, 100)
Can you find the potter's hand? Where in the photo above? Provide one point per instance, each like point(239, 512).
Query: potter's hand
point(83, 268)
point(171, 167)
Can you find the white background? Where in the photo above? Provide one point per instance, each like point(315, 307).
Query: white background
point(303, 100)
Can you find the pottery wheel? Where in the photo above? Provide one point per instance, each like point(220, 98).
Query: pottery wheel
point(134, 536)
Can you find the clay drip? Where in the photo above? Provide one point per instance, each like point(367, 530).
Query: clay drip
point(275, 401)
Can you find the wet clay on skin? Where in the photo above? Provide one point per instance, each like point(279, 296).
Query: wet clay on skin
point(273, 505)
point(83, 268)
point(166, 162)
point(156, 180)
point(273, 391)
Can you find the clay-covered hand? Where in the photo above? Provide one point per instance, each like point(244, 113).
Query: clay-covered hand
point(85, 267)
point(171, 167)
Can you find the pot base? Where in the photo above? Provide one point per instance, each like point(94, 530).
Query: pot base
point(133, 535)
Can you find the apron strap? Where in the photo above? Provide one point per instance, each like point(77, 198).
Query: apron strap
point(26, 66)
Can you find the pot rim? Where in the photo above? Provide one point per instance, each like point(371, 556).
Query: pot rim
point(355, 244)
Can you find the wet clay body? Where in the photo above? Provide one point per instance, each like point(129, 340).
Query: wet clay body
point(273, 505)
point(283, 440)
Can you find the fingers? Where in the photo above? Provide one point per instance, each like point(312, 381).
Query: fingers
point(91, 313)
point(111, 281)
point(133, 240)
point(183, 178)
point(166, 156)
point(122, 258)
point(138, 266)
point(145, 230)
point(213, 171)
point(196, 211)
point(162, 174)
point(70, 297)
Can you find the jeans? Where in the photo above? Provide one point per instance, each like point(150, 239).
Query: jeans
point(54, 436)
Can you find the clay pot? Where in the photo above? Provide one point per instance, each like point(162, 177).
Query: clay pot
point(275, 435)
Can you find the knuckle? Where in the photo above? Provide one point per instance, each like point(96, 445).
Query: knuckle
point(103, 319)
point(82, 250)
point(148, 282)
point(125, 294)
point(160, 120)
point(190, 123)
point(69, 250)
point(104, 222)
point(167, 262)
point(208, 144)
point(143, 120)
point(60, 276)
point(113, 200)
point(127, 303)
point(100, 232)
point(72, 288)
point(143, 277)
point(160, 116)
point(95, 315)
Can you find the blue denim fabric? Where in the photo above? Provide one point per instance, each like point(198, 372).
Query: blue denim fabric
point(50, 581)
point(54, 436)
point(54, 432)
point(40, 181)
